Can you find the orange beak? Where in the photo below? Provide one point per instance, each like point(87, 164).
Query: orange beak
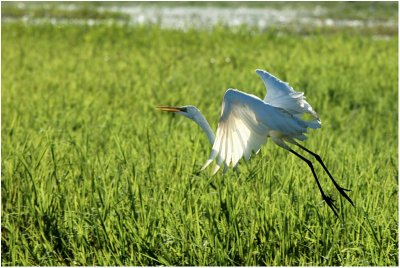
point(169, 109)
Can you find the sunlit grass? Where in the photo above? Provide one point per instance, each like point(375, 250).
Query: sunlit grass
point(92, 174)
point(43, 10)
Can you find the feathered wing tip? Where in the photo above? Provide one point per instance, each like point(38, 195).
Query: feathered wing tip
point(217, 166)
point(213, 154)
point(281, 94)
point(206, 164)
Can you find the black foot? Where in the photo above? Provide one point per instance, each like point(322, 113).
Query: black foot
point(343, 193)
point(331, 204)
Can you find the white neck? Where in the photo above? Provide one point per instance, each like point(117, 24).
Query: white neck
point(202, 122)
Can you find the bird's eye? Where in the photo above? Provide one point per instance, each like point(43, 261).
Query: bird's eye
point(183, 109)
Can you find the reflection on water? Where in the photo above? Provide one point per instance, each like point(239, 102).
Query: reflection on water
point(200, 17)
point(184, 17)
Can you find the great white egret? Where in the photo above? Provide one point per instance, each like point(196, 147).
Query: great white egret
point(246, 121)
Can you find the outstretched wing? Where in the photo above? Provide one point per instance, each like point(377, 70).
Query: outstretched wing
point(280, 94)
point(244, 125)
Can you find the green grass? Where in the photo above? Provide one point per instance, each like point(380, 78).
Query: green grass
point(36, 10)
point(92, 174)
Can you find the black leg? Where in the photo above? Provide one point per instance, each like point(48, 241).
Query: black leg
point(327, 199)
point(340, 189)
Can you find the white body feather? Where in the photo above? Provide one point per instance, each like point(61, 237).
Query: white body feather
point(246, 121)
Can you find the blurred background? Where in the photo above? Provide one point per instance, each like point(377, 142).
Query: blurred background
point(373, 17)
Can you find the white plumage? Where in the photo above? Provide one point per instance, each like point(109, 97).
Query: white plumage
point(247, 121)
point(280, 94)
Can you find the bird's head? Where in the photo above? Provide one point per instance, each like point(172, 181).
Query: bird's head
point(188, 111)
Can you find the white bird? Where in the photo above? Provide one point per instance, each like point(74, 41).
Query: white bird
point(246, 121)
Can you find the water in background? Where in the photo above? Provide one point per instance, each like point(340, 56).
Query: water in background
point(184, 17)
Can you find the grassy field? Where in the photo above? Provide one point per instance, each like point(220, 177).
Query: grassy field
point(92, 174)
